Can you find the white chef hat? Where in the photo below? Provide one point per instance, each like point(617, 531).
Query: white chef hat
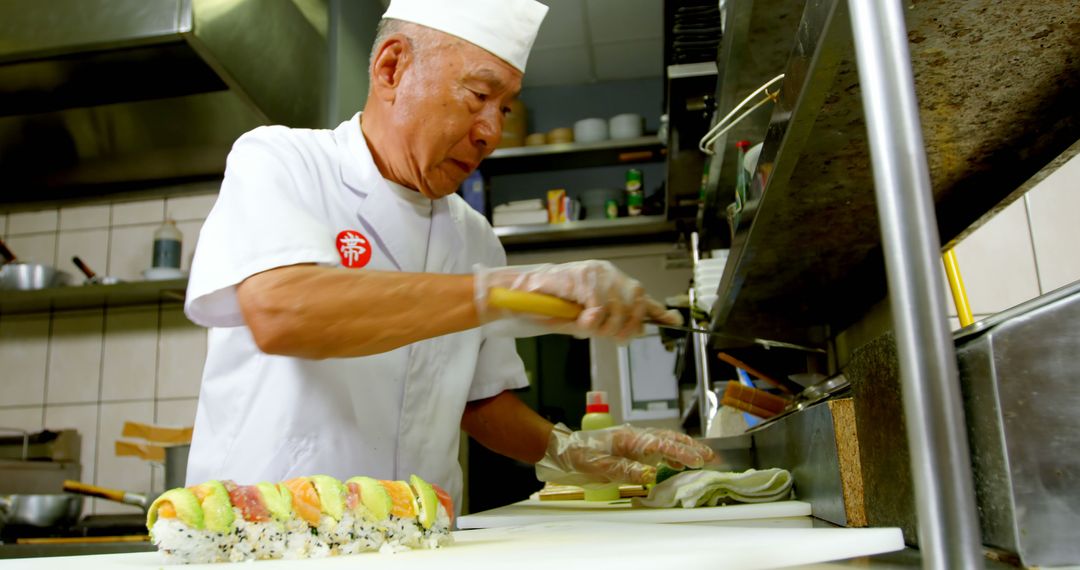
point(506, 28)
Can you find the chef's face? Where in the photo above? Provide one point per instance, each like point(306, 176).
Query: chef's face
point(450, 108)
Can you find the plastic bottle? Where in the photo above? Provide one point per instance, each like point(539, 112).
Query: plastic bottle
point(167, 240)
point(597, 417)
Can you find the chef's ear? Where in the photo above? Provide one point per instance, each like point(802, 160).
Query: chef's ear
point(388, 66)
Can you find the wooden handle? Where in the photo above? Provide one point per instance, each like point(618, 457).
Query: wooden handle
point(533, 303)
point(83, 267)
point(93, 490)
point(783, 384)
point(755, 397)
point(8, 256)
point(747, 407)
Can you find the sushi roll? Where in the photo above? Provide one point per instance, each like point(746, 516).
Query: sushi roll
point(304, 517)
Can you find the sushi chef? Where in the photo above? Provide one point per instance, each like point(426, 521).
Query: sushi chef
point(346, 287)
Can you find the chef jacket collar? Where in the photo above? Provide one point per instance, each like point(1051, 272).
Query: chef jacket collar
point(378, 209)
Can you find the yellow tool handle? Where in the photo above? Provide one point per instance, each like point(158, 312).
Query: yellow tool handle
point(956, 284)
point(93, 490)
point(533, 303)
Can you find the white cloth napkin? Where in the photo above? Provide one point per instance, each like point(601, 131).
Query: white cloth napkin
point(709, 488)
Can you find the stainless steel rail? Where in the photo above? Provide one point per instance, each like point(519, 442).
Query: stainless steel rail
point(940, 459)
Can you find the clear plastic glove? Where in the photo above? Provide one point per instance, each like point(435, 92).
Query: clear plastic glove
point(620, 454)
point(613, 303)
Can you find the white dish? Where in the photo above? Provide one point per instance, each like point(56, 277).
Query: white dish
point(626, 126)
point(162, 273)
point(590, 130)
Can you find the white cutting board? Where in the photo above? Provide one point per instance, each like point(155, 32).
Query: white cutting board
point(534, 511)
point(566, 545)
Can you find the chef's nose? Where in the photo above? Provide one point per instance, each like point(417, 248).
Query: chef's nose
point(487, 131)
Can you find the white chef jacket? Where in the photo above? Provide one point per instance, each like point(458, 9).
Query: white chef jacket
point(287, 197)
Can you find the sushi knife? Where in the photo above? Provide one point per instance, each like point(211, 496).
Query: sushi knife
point(552, 306)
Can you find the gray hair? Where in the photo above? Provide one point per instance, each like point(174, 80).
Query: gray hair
point(420, 38)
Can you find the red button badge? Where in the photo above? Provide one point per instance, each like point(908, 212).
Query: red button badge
point(354, 248)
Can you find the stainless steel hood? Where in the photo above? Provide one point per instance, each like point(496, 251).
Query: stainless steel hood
point(105, 95)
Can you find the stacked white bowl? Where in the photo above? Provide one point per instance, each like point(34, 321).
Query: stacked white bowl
point(707, 274)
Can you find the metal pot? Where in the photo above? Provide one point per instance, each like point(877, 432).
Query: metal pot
point(176, 465)
point(19, 276)
point(60, 510)
point(136, 499)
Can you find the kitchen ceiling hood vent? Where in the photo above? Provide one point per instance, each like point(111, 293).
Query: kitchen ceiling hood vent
point(104, 95)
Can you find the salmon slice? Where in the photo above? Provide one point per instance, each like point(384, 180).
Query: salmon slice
point(401, 495)
point(446, 501)
point(305, 499)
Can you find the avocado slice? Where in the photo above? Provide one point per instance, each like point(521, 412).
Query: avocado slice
point(286, 495)
point(184, 502)
point(429, 501)
point(280, 507)
point(374, 497)
point(216, 506)
point(331, 495)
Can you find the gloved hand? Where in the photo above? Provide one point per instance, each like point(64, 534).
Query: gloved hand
point(614, 304)
point(619, 454)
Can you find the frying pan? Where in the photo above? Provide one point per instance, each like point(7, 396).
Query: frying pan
point(59, 510)
point(91, 277)
point(22, 276)
point(136, 499)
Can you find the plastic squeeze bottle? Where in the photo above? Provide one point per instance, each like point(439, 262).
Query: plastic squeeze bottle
point(167, 240)
point(597, 417)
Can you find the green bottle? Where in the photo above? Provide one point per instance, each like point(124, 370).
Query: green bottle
point(597, 417)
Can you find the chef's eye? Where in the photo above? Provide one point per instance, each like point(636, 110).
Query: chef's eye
point(480, 96)
point(505, 111)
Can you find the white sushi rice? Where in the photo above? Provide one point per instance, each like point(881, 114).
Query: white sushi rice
point(403, 532)
point(296, 539)
point(180, 544)
point(439, 533)
point(257, 540)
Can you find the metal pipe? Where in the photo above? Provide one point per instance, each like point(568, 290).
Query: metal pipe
point(701, 353)
point(937, 439)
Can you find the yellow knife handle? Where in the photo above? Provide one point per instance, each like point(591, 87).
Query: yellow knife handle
point(533, 303)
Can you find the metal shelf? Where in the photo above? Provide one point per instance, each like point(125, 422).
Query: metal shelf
point(517, 237)
point(807, 257)
point(93, 296)
point(560, 156)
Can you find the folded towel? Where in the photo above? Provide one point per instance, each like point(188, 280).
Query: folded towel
point(709, 488)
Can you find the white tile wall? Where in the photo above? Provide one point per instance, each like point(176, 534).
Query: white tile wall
point(74, 374)
point(182, 352)
point(85, 217)
point(36, 248)
point(127, 473)
point(81, 417)
point(92, 247)
point(141, 212)
point(997, 262)
point(186, 208)
point(23, 417)
point(129, 361)
point(24, 350)
point(76, 369)
point(1054, 206)
point(32, 222)
point(131, 250)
